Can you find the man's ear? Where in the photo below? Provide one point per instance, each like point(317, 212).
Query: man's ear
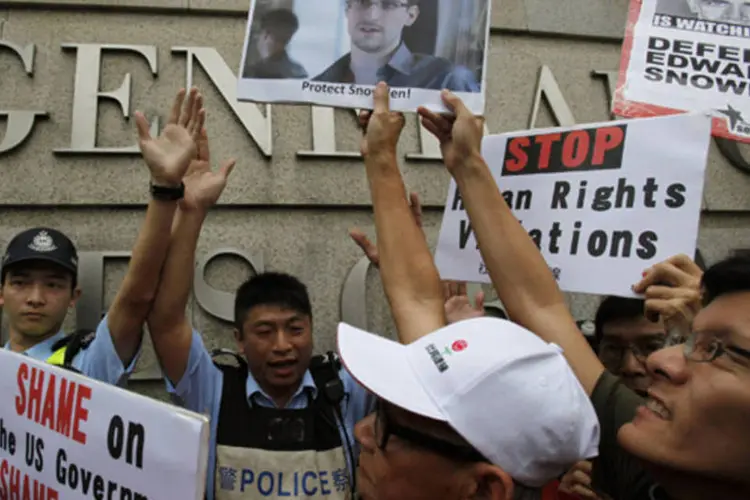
point(413, 15)
point(489, 482)
point(74, 297)
point(238, 336)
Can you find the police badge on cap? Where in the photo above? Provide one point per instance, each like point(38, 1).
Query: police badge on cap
point(42, 244)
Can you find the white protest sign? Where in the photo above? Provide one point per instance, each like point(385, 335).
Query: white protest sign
point(66, 436)
point(688, 55)
point(603, 202)
point(334, 52)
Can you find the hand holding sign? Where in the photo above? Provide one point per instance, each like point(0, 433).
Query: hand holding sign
point(460, 135)
point(382, 127)
point(672, 290)
point(169, 155)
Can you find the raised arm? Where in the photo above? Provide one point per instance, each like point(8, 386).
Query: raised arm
point(169, 327)
point(520, 275)
point(457, 305)
point(410, 279)
point(167, 158)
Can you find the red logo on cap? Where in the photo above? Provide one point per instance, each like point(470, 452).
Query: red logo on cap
point(459, 345)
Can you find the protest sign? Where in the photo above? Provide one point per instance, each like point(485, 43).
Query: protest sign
point(334, 52)
point(66, 436)
point(603, 202)
point(688, 55)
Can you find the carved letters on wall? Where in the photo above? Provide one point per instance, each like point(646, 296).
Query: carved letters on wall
point(257, 124)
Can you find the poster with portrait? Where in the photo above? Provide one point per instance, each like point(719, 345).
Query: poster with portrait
point(334, 52)
point(688, 55)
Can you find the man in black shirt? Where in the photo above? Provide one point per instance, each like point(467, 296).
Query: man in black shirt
point(378, 52)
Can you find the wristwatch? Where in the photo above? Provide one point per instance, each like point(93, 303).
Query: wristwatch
point(164, 193)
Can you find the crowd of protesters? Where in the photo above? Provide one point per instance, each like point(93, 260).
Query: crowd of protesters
point(471, 403)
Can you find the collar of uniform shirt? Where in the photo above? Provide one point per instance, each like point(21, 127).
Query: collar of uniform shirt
point(43, 349)
point(252, 388)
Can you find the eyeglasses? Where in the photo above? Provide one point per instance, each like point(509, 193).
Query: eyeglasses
point(612, 353)
point(385, 428)
point(705, 348)
point(386, 5)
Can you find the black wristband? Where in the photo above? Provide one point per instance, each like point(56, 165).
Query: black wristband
point(163, 193)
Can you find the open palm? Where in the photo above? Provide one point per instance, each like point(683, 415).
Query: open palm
point(203, 186)
point(168, 155)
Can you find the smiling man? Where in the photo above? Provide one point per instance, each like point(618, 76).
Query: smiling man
point(378, 52)
point(282, 420)
point(688, 440)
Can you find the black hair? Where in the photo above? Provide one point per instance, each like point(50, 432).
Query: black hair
point(20, 265)
point(271, 289)
point(728, 276)
point(616, 308)
point(282, 24)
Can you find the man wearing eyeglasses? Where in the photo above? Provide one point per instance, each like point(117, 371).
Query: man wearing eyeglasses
point(625, 339)
point(378, 52)
point(689, 439)
point(629, 330)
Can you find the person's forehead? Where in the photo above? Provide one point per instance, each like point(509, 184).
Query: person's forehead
point(400, 416)
point(726, 315)
point(632, 328)
point(39, 268)
point(273, 314)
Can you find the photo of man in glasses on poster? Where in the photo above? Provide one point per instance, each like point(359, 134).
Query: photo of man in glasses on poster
point(379, 52)
point(334, 52)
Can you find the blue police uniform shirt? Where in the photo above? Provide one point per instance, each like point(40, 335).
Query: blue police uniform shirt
point(200, 390)
point(98, 361)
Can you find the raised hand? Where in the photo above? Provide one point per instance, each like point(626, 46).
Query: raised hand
point(169, 155)
point(672, 291)
point(369, 248)
point(382, 127)
point(457, 304)
point(203, 186)
point(460, 135)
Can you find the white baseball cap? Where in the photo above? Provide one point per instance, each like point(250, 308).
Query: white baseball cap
point(507, 392)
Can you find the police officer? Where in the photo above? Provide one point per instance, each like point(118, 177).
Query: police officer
point(282, 420)
point(40, 268)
